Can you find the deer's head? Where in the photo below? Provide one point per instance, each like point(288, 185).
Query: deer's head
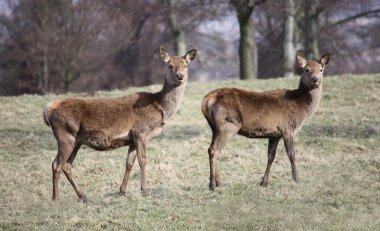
point(312, 76)
point(177, 66)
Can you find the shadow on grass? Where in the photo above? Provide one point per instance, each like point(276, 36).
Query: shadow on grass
point(159, 192)
point(182, 132)
point(343, 131)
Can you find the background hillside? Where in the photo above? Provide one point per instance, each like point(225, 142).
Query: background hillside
point(84, 45)
point(337, 153)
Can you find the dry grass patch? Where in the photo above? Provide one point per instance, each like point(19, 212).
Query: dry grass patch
point(337, 156)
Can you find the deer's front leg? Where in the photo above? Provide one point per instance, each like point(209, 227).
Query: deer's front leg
point(140, 143)
point(289, 146)
point(130, 161)
point(272, 146)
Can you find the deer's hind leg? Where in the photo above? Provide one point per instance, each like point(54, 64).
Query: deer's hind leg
point(67, 169)
point(130, 161)
point(66, 146)
point(220, 137)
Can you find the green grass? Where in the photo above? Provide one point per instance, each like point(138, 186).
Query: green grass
point(338, 157)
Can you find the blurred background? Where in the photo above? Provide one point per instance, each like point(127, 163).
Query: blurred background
point(56, 46)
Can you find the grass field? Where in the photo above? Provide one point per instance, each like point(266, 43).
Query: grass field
point(337, 152)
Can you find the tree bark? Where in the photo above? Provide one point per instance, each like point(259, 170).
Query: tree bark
point(66, 82)
point(46, 76)
point(247, 45)
point(247, 49)
point(178, 32)
point(311, 30)
point(289, 46)
point(42, 77)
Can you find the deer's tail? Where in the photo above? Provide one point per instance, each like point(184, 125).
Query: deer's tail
point(46, 114)
point(207, 104)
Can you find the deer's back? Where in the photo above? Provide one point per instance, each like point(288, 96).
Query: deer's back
point(258, 114)
point(138, 111)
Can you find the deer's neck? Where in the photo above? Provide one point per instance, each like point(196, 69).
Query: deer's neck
point(310, 98)
point(170, 98)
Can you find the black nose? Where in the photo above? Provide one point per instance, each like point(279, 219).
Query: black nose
point(314, 79)
point(179, 77)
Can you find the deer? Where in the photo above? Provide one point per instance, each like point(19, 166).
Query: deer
point(109, 123)
point(273, 115)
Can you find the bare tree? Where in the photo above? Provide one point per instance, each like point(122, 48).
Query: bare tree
point(82, 45)
point(247, 44)
point(289, 45)
point(177, 30)
point(30, 41)
point(87, 39)
point(60, 41)
point(322, 25)
point(312, 10)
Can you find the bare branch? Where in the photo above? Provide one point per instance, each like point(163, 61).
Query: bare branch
point(256, 3)
point(353, 17)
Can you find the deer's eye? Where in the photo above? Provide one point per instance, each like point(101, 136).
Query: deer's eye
point(321, 70)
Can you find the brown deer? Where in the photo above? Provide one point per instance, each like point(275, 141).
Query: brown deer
point(104, 124)
point(272, 114)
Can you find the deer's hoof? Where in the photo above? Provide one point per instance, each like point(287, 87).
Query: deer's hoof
point(264, 183)
point(212, 187)
point(144, 192)
point(84, 199)
point(218, 184)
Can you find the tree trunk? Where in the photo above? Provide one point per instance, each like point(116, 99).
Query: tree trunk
point(66, 82)
point(45, 75)
point(247, 45)
point(177, 30)
point(42, 75)
point(311, 30)
point(247, 49)
point(66, 86)
point(133, 50)
point(289, 46)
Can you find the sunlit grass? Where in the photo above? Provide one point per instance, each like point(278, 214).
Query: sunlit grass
point(337, 156)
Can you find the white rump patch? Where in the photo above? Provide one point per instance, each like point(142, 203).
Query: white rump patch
point(54, 104)
point(210, 103)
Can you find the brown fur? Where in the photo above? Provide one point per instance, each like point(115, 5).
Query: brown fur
point(272, 114)
point(105, 124)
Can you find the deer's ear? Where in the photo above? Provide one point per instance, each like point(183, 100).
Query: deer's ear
point(325, 59)
point(301, 60)
point(190, 55)
point(164, 54)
